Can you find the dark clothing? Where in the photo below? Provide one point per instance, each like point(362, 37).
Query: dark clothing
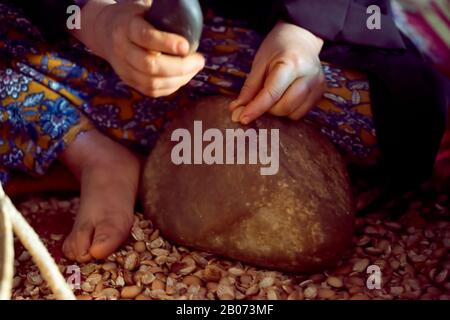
point(408, 100)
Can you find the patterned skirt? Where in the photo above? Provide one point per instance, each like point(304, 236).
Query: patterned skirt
point(49, 93)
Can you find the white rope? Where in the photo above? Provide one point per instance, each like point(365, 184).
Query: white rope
point(41, 257)
point(6, 252)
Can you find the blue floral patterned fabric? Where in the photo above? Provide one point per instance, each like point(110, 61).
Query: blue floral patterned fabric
point(51, 93)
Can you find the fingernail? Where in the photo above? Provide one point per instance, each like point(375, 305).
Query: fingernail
point(155, 53)
point(233, 104)
point(245, 120)
point(235, 116)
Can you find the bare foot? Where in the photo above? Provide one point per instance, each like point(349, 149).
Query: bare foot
point(109, 175)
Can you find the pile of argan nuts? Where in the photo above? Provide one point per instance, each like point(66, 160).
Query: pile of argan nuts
point(408, 243)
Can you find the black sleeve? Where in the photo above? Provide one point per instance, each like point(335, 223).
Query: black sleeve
point(261, 14)
point(343, 21)
point(49, 16)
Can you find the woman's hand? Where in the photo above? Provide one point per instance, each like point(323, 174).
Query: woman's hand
point(151, 61)
point(286, 78)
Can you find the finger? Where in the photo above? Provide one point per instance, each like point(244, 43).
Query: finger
point(151, 92)
point(146, 3)
point(318, 88)
point(251, 87)
point(157, 82)
point(163, 65)
point(300, 112)
point(156, 93)
point(279, 79)
point(144, 35)
point(311, 101)
point(294, 96)
point(236, 114)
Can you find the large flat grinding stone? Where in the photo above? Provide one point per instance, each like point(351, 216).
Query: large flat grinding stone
point(299, 219)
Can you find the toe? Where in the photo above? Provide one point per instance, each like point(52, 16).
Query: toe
point(68, 248)
point(109, 235)
point(80, 238)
